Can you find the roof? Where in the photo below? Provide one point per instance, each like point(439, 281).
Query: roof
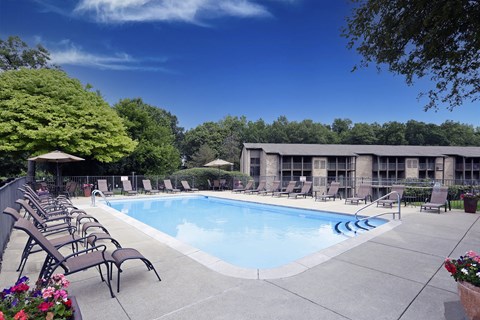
point(355, 150)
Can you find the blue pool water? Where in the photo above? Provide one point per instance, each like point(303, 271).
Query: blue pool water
point(241, 233)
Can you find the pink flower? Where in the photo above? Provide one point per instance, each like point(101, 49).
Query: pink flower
point(60, 294)
point(44, 306)
point(2, 317)
point(21, 315)
point(47, 292)
point(22, 287)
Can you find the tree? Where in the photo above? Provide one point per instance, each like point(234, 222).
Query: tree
point(393, 133)
point(44, 110)
point(151, 127)
point(421, 38)
point(362, 133)
point(15, 54)
point(204, 155)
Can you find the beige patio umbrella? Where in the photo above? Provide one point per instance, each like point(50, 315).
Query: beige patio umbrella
point(57, 157)
point(218, 163)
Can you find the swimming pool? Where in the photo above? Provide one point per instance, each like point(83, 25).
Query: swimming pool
point(243, 234)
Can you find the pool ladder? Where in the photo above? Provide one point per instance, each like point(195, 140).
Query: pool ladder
point(363, 224)
point(94, 193)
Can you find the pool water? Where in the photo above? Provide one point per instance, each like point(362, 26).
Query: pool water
point(244, 234)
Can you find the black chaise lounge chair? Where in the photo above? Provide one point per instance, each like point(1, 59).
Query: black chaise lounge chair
point(394, 197)
point(438, 199)
point(364, 192)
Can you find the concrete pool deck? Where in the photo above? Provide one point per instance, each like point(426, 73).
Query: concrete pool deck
point(398, 274)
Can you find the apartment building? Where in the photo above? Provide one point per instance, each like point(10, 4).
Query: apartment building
point(380, 165)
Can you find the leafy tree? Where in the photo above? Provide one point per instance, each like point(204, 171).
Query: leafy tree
point(43, 110)
point(15, 54)
point(460, 134)
point(421, 38)
point(361, 133)
point(204, 155)
point(392, 133)
point(151, 127)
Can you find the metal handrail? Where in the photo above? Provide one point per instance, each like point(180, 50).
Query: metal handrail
point(94, 192)
point(376, 201)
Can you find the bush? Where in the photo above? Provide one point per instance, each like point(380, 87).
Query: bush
point(197, 177)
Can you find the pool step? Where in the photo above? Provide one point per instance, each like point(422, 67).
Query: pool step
point(351, 228)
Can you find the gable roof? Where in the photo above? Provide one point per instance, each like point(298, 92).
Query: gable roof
point(352, 150)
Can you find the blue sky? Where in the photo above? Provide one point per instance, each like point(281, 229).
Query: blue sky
point(205, 59)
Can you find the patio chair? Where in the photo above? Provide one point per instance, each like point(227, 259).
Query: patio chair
point(186, 186)
point(307, 186)
point(289, 189)
point(394, 197)
point(364, 192)
point(275, 187)
point(147, 187)
point(103, 187)
point(30, 244)
point(260, 187)
point(438, 199)
point(249, 186)
point(332, 192)
point(72, 263)
point(169, 187)
point(127, 188)
point(71, 189)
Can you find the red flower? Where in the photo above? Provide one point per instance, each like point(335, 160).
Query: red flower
point(68, 303)
point(21, 287)
point(44, 306)
point(450, 267)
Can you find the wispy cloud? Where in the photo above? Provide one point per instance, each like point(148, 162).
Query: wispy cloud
point(189, 11)
point(69, 54)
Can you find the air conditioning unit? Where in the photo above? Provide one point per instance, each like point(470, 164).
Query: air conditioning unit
point(439, 167)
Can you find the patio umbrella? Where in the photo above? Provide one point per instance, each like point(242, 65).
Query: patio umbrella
point(57, 157)
point(218, 163)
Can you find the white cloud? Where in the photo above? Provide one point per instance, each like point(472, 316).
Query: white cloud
point(69, 54)
point(190, 11)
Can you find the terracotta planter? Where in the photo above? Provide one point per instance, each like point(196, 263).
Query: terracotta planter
point(470, 205)
point(470, 299)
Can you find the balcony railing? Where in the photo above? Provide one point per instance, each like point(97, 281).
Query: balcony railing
point(340, 166)
point(296, 166)
point(426, 166)
point(388, 166)
point(467, 166)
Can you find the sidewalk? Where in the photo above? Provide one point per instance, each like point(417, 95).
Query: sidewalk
point(396, 275)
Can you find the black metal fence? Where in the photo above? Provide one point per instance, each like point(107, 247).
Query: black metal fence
point(9, 193)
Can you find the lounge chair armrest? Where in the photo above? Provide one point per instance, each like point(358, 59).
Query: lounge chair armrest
point(70, 229)
point(102, 247)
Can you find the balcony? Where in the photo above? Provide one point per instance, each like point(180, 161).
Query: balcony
point(426, 166)
point(296, 166)
point(339, 166)
point(388, 166)
point(468, 167)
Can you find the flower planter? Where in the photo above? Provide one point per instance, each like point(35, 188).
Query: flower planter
point(470, 205)
point(470, 299)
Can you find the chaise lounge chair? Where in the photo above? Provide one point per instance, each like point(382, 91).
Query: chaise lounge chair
point(103, 187)
point(394, 197)
point(331, 192)
point(275, 187)
point(169, 187)
point(289, 189)
point(438, 199)
point(249, 186)
point(73, 263)
point(147, 187)
point(127, 188)
point(307, 186)
point(186, 186)
point(364, 192)
point(260, 187)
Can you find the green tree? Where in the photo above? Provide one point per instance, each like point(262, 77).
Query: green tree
point(15, 54)
point(362, 133)
point(43, 110)
point(392, 133)
point(459, 134)
point(418, 38)
point(204, 155)
point(151, 127)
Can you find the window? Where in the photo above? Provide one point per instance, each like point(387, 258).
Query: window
point(412, 164)
point(254, 167)
point(319, 164)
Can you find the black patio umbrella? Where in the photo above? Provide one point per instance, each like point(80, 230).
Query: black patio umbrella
point(58, 157)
